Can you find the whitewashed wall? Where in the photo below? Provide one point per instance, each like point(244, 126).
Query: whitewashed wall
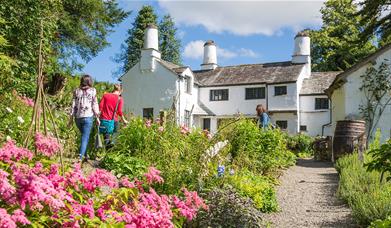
point(236, 101)
point(188, 101)
point(283, 102)
point(148, 90)
point(347, 99)
point(290, 117)
point(313, 119)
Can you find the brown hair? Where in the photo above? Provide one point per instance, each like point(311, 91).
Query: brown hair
point(117, 87)
point(86, 81)
point(260, 109)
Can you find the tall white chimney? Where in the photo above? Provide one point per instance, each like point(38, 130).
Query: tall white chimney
point(150, 51)
point(302, 51)
point(210, 56)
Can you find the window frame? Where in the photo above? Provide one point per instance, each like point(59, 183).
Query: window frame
point(276, 88)
point(278, 122)
point(320, 105)
point(203, 124)
point(146, 111)
point(215, 97)
point(262, 93)
point(187, 118)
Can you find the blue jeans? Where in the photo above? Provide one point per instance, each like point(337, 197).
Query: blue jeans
point(85, 126)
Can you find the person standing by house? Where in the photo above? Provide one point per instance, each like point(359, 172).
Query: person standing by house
point(263, 117)
point(84, 108)
point(111, 108)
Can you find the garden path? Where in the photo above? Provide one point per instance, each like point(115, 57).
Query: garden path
point(307, 198)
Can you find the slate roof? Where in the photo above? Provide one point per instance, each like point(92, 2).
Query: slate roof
point(278, 72)
point(318, 82)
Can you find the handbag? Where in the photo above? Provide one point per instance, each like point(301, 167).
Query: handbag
point(98, 141)
point(107, 126)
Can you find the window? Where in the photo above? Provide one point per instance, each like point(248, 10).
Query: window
point(206, 124)
point(303, 127)
point(283, 124)
point(187, 84)
point(279, 90)
point(321, 103)
point(148, 113)
point(219, 95)
point(255, 93)
point(187, 118)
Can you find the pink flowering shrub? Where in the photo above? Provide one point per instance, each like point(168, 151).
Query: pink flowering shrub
point(46, 145)
point(27, 101)
point(36, 193)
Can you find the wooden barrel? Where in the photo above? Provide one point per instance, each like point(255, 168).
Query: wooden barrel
point(348, 136)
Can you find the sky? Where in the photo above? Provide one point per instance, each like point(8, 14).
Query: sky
point(245, 31)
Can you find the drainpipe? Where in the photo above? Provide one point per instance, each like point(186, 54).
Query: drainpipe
point(179, 99)
point(331, 116)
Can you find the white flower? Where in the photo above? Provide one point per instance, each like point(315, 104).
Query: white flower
point(8, 138)
point(20, 119)
point(8, 109)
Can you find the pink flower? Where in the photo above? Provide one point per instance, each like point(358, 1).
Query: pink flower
point(27, 101)
point(153, 175)
point(47, 145)
point(185, 130)
point(10, 152)
point(148, 123)
point(191, 205)
point(160, 129)
point(99, 178)
point(126, 183)
point(7, 191)
point(6, 220)
point(19, 217)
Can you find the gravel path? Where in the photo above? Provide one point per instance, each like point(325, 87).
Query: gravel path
point(307, 198)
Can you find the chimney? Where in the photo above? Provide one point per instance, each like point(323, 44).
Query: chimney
point(150, 52)
point(210, 56)
point(302, 50)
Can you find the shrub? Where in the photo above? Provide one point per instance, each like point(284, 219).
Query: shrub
point(259, 188)
point(381, 223)
point(300, 144)
point(369, 199)
point(34, 193)
point(381, 160)
point(174, 150)
point(259, 151)
point(227, 208)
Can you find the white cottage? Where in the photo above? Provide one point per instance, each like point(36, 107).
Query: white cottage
point(347, 97)
point(293, 96)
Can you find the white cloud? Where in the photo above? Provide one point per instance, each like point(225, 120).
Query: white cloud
point(245, 17)
point(195, 50)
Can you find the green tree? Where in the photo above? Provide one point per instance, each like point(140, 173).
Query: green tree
point(337, 44)
point(134, 43)
point(169, 43)
point(376, 19)
point(70, 28)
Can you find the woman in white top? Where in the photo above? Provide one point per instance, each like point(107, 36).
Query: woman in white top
point(84, 108)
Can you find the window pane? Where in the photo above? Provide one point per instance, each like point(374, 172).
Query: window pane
point(219, 95)
point(148, 113)
point(321, 103)
point(283, 124)
point(206, 124)
point(255, 93)
point(280, 90)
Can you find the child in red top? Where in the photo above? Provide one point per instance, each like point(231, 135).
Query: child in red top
point(107, 108)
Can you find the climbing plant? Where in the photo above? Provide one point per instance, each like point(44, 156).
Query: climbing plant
point(376, 86)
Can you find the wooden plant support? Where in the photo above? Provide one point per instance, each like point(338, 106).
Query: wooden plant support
point(41, 106)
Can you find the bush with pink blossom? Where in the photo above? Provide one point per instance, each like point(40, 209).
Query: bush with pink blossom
point(37, 194)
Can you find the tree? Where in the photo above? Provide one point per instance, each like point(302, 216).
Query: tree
point(337, 44)
point(169, 44)
point(376, 19)
point(71, 28)
point(134, 43)
point(376, 87)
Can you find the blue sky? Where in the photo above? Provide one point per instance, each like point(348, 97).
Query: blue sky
point(244, 31)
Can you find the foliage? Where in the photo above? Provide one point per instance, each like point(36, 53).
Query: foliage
point(227, 208)
point(369, 199)
point(175, 151)
point(69, 28)
point(376, 85)
point(33, 192)
point(376, 16)
point(381, 160)
point(6, 63)
point(300, 144)
point(131, 54)
point(123, 164)
point(337, 45)
point(259, 151)
point(381, 223)
point(169, 43)
point(259, 188)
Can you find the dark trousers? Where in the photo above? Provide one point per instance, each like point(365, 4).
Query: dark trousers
point(107, 137)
